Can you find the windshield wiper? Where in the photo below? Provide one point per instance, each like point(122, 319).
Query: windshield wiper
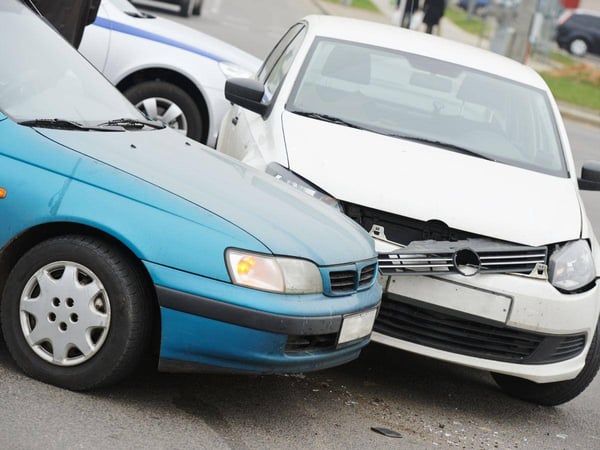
point(327, 118)
point(60, 124)
point(131, 123)
point(445, 145)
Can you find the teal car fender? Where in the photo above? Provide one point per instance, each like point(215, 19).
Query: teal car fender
point(48, 183)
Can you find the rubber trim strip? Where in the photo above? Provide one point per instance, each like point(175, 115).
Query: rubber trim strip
point(246, 317)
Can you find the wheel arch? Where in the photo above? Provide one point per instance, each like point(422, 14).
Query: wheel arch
point(21, 244)
point(173, 77)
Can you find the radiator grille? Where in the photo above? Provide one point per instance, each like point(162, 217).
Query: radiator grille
point(442, 257)
point(343, 280)
point(349, 278)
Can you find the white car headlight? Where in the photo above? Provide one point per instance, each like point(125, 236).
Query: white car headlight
point(288, 177)
point(571, 266)
point(273, 273)
point(231, 70)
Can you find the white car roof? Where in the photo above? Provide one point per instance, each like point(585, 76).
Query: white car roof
point(409, 41)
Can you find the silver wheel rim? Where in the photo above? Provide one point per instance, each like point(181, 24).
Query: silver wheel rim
point(578, 47)
point(65, 313)
point(165, 111)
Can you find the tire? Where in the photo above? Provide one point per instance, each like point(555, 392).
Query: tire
point(578, 47)
point(76, 313)
point(186, 8)
point(197, 10)
point(160, 96)
point(552, 394)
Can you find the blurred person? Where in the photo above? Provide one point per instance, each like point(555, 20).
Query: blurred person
point(409, 9)
point(434, 11)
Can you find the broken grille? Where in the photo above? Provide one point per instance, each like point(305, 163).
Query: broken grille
point(468, 257)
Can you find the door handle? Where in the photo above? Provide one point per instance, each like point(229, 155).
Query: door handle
point(235, 120)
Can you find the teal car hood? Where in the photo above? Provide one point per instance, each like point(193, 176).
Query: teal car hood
point(285, 221)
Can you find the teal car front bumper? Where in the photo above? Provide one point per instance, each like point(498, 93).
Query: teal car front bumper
point(213, 326)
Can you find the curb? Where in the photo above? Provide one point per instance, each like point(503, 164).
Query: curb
point(567, 111)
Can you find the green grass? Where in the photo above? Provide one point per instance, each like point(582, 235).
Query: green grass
point(362, 4)
point(577, 92)
point(561, 58)
point(459, 17)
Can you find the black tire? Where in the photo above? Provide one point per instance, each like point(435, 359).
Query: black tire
point(197, 10)
point(164, 90)
point(553, 394)
point(186, 8)
point(126, 338)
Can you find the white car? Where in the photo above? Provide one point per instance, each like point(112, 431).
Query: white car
point(457, 162)
point(171, 72)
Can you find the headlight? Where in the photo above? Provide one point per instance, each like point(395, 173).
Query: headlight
point(571, 266)
point(273, 273)
point(281, 173)
point(231, 70)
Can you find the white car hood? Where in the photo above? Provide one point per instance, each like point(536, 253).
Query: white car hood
point(424, 182)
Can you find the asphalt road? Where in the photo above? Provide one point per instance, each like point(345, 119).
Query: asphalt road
point(432, 404)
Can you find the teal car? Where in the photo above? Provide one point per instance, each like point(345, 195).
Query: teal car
point(120, 238)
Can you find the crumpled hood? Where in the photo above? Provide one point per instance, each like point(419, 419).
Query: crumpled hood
point(423, 182)
point(284, 220)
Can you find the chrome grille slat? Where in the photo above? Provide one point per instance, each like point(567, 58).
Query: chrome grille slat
point(439, 257)
point(539, 255)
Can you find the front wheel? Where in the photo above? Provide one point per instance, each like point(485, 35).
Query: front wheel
point(76, 313)
point(578, 47)
point(552, 394)
point(169, 104)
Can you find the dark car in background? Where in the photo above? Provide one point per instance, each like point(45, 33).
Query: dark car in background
point(579, 32)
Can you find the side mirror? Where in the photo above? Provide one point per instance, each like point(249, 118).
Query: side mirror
point(247, 93)
point(590, 176)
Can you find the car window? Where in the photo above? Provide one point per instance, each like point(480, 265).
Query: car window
point(402, 94)
point(280, 69)
point(50, 80)
point(276, 53)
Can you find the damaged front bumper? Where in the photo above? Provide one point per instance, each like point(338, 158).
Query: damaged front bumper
point(483, 304)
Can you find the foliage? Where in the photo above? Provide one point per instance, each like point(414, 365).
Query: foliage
point(578, 84)
point(362, 4)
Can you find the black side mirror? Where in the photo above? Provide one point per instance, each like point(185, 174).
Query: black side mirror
point(590, 176)
point(247, 93)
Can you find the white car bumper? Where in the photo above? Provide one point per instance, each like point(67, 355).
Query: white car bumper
point(491, 322)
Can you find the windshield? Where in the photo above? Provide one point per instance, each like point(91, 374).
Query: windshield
point(429, 101)
point(42, 77)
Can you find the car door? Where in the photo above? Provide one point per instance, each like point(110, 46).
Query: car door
point(253, 138)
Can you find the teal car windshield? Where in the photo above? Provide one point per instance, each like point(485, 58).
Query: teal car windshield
point(429, 101)
point(42, 78)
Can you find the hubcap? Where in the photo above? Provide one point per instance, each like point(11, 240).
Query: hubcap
point(65, 313)
point(578, 47)
point(165, 111)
